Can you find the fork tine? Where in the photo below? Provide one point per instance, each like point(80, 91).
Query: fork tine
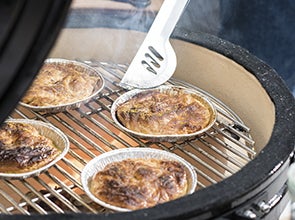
point(143, 73)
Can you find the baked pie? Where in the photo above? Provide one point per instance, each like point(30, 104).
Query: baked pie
point(139, 183)
point(59, 84)
point(24, 149)
point(172, 111)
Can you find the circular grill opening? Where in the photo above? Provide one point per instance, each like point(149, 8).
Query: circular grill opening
point(217, 154)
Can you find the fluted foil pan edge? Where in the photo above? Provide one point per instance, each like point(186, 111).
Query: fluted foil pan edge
point(158, 138)
point(98, 163)
point(57, 136)
point(67, 106)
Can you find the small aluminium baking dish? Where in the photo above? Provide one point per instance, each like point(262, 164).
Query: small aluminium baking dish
point(100, 162)
point(58, 85)
point(57, 137)
point(181, 112)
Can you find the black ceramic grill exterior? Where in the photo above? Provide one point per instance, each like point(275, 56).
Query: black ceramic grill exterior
point(28, 30)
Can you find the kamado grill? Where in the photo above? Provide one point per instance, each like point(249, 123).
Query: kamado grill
point(241, 162)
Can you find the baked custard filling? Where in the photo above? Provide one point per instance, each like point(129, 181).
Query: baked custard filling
point(23, 149)
point(58, 84)
point(164, 113)
point(139, 183)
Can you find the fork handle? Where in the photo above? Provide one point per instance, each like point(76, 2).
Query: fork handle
point(167, 18)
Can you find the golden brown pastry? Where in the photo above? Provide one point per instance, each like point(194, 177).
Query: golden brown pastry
point(58, 84)
point(23, 149)
point(164, 113)
point(140, 183)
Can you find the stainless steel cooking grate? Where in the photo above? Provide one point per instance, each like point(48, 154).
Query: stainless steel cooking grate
point(216, 155)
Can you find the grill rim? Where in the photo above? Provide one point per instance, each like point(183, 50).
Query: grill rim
point(253, 177)
point(259, 172)
point(264, 167)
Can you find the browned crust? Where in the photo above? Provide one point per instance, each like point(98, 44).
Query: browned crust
point(164, 113)
point(140, 183)
point(58, 84)
point(23, 149)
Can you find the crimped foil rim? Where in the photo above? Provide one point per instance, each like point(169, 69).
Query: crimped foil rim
point(50, 130)
point(172, 137)
point(62, 107)
point(98, 163)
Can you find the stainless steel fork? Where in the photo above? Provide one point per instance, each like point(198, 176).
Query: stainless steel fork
point(155, 61)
